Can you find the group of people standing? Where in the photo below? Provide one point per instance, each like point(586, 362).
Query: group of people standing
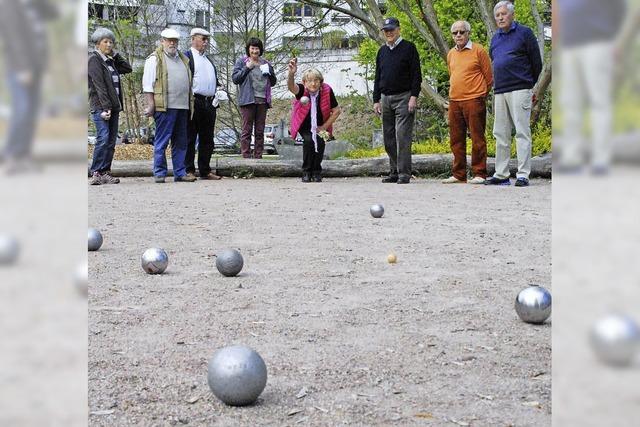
point(181, 92)
point(511, 68)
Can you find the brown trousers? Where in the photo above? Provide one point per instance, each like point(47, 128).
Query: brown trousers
point(254, 117)
point(468, 115)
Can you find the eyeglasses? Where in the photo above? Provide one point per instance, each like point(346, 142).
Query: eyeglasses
point(461, 32)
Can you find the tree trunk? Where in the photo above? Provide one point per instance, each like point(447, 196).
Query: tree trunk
point(539, 26)
point(540, 90)
point(430, 165)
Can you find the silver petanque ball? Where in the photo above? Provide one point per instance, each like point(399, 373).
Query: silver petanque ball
point(229, 262)
point(615, 339)
point(304, 100)
point(533, 304)
point(377, 211)
point(237, 375)
point(9, 249)
point(95, 239)
point(155, 261)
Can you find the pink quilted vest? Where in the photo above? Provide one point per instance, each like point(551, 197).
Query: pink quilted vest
point(299, 111)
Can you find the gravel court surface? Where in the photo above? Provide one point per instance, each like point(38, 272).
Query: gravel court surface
point(347, 337)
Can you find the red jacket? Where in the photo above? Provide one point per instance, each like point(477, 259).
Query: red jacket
point(300, 111)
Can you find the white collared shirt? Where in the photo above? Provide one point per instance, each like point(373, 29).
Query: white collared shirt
point(397, 42)
point(204, 75)
point(466, 46)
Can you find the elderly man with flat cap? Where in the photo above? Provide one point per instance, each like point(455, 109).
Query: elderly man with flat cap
point(203, 119)
point(395, 93)
point(166, 83)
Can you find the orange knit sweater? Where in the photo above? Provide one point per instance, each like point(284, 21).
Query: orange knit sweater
point(470, 74)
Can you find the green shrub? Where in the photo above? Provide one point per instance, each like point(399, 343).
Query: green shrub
point(541, 145)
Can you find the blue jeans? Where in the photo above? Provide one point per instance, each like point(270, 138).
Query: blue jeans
point(24, 111)
point(170, 125)
point(106, 135)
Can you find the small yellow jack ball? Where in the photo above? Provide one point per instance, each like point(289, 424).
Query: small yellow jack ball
point(391, 258)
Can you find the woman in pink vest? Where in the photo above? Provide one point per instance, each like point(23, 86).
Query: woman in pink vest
point(315, 108)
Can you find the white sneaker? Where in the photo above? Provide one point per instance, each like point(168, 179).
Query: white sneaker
point(452, 180)
point(477, 180)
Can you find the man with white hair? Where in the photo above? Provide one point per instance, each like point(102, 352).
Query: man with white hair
point(166, 83)
point(470, 82)
point(516, 67)
point(203, 118)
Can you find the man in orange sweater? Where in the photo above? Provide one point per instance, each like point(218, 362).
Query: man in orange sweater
point(470, 82)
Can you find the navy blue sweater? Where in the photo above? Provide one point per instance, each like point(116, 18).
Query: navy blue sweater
point(516, 59)
point(397, 70)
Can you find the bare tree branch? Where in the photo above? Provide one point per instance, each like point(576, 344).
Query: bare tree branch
point(404, 6)
point(430, 18)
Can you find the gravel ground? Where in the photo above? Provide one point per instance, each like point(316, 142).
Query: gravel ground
point(431, 340)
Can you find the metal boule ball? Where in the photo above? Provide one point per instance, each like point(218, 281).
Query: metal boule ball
point(95, 239)
point(237, 375)
point(155, 261)
point(9, 249)
point(304, 100)
point(533, 304)
point(229, 262)
point(615, 339)
point(377, 210)
point(81, 279)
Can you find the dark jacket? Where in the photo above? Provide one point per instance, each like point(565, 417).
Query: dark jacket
point(245, 89)
point(23, 31)
point(102, 93)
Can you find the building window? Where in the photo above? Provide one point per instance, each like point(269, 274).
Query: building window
point(339, 18)
point(97, 11)
point(292, 12)
point(203, 18)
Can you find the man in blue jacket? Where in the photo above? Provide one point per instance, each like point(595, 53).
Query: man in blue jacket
point(517, 64)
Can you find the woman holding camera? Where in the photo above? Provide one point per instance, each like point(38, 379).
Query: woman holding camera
point(255, 76)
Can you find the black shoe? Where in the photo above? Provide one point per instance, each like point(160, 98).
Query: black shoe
point(185, 178)
point(390, 179)
point(306, 177)
point(522, 182)
point(317, 177)
point(403, 180)
point(497, 181)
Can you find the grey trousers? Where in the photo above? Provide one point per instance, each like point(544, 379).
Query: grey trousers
point(397, 129)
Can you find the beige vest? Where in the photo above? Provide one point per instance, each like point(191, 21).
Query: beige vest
point(161, 85)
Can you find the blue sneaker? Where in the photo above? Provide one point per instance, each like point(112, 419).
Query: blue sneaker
point(522, 182)
point(497, 181)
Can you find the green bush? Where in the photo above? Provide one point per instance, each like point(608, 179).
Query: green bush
point(541, 145)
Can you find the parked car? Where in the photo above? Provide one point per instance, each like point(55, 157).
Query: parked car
point(272, 137)
point(226, 140)
point(146, 134)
